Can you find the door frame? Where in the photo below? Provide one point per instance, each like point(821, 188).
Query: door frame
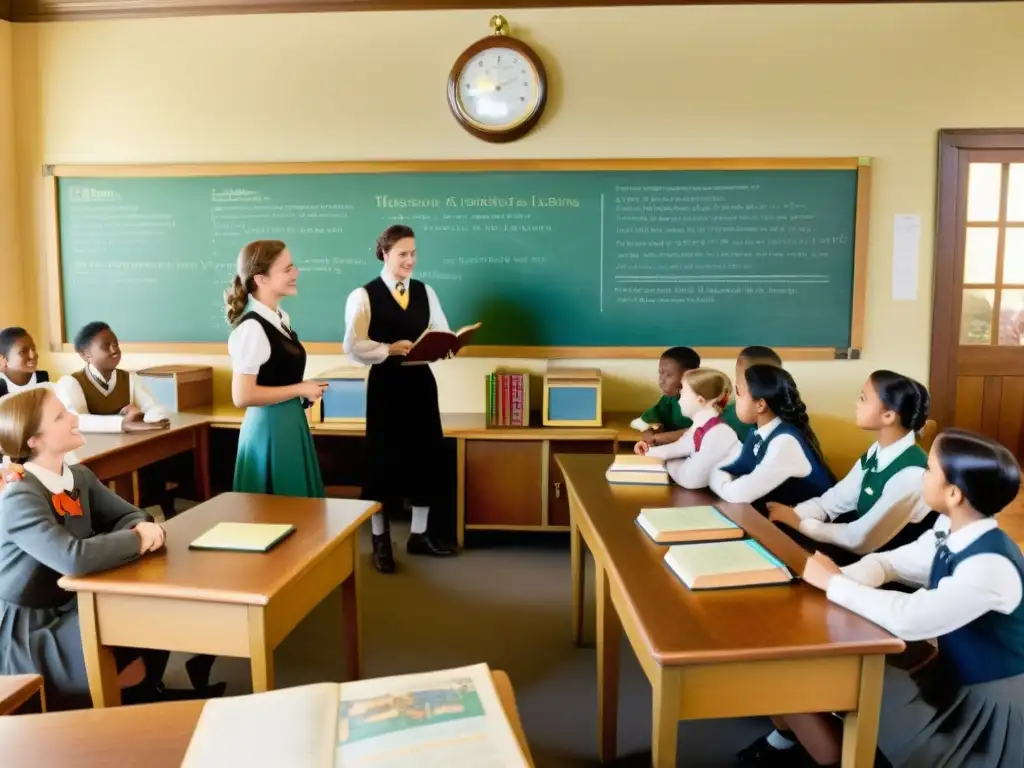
point(947, 295)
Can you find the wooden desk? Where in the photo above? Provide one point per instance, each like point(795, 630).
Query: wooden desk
point(117, 458)
point(715, 654)
point(15, 690)
point(224, 603)
point(153, 735)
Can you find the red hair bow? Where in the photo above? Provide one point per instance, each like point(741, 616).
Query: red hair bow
point(67, 504)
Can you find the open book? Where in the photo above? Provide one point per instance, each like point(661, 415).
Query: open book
point(726, 564)
point(675, 525)
point(434, 345)
point(432, 720)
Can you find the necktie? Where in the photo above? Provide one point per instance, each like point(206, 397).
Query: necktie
point(400, 294)
point(758, 442)
point(871, 463)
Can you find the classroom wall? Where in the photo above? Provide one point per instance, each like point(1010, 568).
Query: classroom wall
point(876, 80)
point(12, 307)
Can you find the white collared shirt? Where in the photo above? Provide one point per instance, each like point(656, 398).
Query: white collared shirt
point(51, 481)
point(358, 344)
point(71, 394)
point(784, 459)
point(900, 503)
point(691, 468)
point(12, 388)
point(981, 583)
point(248, 344)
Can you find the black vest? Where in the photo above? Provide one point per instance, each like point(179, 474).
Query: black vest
point(41, 378)
point(389, 322)
point(287, 363)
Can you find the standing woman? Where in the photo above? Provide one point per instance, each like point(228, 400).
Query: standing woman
point(275, 447)
point(403, 422)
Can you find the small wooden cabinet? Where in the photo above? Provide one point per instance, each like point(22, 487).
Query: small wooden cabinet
point(503, 484)
point(558, 497)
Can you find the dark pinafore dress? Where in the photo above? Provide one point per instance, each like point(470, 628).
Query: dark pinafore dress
point(403, 423)
point(275, 448)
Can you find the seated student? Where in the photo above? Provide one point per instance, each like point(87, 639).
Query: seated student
point(878, 505)
point(663, 422)
point(780, 460)
point(106, 398)
point(966, 706)
point(747, 357)
point(18, 361)
point(691, 458)
point(59, 520)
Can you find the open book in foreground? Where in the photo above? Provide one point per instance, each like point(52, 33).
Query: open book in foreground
point(721, 564)
point(434, 345)
point(432, 720)
point(675, 525)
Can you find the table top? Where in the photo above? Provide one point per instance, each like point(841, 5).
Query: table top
point(99, 444)
point(683, 626)
point(234, 577)
point(15, 690)
point(153, 735)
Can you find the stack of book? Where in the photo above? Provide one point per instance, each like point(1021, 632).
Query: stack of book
point(508, 399)
point(628, 469)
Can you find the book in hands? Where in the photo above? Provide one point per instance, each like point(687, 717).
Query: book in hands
point(452, 717)
point(629, 469)
point(720, 564)
point(433, 345)
point(243, 537)
point(675, 525)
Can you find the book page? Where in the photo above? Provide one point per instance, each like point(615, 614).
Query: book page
point(634, 463)
point(669, 519)
point(432, 720)
point(721, 557)
point(289, 728)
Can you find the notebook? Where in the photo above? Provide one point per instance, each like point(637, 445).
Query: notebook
point(726, 564)
point(674, 525)
point(630, 469)
point(243, 537)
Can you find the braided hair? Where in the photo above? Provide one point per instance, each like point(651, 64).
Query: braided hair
point(777, 388)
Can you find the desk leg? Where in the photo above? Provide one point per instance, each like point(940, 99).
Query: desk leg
point(261, 655)
point(860, 728)
point(665, 718)
point(350, 617)
point(578, 570)
point(201, 462)
point(100, 666)
point(460, 492)
point(609, 639)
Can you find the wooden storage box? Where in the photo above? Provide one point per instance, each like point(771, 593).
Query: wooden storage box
point(572, 397)
point(344, 399)
point(179, 387)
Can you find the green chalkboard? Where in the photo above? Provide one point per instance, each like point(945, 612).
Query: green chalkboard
point(545, 258)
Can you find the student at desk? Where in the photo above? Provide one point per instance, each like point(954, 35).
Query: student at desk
point(18, 361)
point(748, 356)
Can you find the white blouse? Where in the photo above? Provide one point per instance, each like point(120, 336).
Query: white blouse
point(71, 394)
point(691, 468)
point(248, 344)
point(784, 459)
point(358, 345)
point(12, 388)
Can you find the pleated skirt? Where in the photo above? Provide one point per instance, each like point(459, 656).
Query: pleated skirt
point(276, 453)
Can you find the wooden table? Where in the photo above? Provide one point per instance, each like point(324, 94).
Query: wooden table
point(715, 654)
point(224, 603)
point(153, 735)
point(116, 458)
point(15, 690)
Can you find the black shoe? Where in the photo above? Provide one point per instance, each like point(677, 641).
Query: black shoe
point(763, 753)
point(147, 693)
point(423, 544)
point(383, 557)
point(198, 669)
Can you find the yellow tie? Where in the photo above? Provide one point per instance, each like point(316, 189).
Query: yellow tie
point(401, 295)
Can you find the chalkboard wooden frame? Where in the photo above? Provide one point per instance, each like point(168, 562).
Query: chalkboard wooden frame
point(58, 337)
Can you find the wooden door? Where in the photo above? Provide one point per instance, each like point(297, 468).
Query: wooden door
point(977, 372)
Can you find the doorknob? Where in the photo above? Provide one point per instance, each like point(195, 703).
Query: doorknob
point(558, 490)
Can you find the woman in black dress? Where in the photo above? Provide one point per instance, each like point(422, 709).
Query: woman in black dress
point(403, 423)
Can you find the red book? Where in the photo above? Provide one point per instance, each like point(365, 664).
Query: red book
point(432, 346)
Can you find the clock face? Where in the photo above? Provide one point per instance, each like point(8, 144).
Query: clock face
point(498, 88)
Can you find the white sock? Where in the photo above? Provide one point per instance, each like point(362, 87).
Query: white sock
point(777, 740)
point(378, 523)
point(419, 520)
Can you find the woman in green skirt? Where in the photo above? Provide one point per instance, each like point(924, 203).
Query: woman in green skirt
point(275, 449)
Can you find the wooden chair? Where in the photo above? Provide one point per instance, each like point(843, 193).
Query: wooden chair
point(17, 690)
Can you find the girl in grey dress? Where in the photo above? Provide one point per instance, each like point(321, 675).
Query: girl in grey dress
point(55, 521)
point(964, 708)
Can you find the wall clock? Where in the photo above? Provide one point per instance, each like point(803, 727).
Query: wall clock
point(498, 87)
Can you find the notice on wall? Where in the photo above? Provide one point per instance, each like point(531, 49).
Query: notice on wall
point(906, 255)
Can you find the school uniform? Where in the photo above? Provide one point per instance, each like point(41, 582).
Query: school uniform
point(775, 463)
point(691, 459)
point(967, 708)
point(741, 428)
point(664, 414)
point(43, 536)
point(877, 506)
point(8, 387)
point(275, 447)
point(99, 403)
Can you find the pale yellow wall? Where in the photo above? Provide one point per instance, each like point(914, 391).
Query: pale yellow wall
point(876, 80)
point(12, 306)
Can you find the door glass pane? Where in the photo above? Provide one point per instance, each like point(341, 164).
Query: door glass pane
point(1011, 317)
point(984, 184)
point(1015, 193)
point(1013, 256)
point(976, 316)
point(980, 247)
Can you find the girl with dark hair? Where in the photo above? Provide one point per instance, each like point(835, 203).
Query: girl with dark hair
point(403, 421)
point(966, 706)
point(780, 460)
point(878, 505)
point(19, 361)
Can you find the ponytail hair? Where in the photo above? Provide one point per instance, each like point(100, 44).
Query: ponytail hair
point(904, 396)
point(254, 259)
point(984, 471)
point(777, 388)
point(714, 386)
point(21, 414)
